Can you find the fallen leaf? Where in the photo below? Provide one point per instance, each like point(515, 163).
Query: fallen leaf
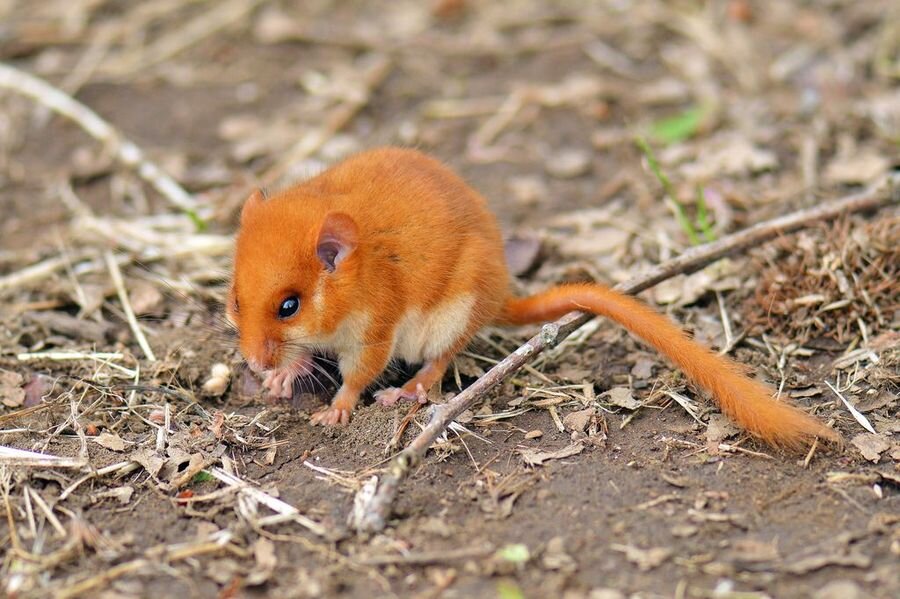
point(578, 421)
point(110, 441)
point(622, 397)
point(871, 446)
point(521, 253)
point(679, 127)
point(537, 457)
point(719, 429)
point(36, 389)
point(149, 460)
point(643, 368)
point(145, 298)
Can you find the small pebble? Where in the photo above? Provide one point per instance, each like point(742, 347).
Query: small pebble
point(535, 434)
point(568, 164)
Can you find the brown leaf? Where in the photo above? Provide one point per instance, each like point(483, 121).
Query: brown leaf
point(871, 446)
point(36, 389)
point(149, 460)
point(521, 253)
point(110, 441)
point(537, 457)
point(578, 421)
point(622, 397)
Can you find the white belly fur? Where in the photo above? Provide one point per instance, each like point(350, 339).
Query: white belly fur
point(422, 336)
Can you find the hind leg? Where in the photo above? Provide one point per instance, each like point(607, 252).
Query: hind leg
point(416, 388)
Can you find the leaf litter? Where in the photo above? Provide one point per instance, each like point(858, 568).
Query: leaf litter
point(538, 106)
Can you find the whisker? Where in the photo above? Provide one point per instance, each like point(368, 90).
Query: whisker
point(320, 369)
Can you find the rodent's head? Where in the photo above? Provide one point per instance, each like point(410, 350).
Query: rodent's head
point(294, 266)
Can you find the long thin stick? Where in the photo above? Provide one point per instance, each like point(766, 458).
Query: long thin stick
point(119, 284)
point(125, 150)
point(376, 508)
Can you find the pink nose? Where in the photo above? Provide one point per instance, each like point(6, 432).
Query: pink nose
point(263, 358)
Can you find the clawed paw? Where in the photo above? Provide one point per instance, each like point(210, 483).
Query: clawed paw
point(390, 396)
point(279, 383)
point(331, 415)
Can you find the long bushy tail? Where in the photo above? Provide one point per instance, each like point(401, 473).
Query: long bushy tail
point(747, 402)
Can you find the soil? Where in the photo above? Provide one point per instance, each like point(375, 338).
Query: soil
point(796, 107)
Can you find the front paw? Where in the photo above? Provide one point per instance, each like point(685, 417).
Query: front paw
point(279, 384)
point(390, 396)
point(332, 415)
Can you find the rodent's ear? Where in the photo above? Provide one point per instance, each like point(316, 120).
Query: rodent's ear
point(256, 198)
point(337, 239)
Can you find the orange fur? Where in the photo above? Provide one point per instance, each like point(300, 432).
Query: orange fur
point(747, 402)
point(394, 256)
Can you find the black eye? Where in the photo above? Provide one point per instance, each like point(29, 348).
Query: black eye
point(289, 306)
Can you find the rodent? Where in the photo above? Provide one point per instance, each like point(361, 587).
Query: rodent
point(390, 255)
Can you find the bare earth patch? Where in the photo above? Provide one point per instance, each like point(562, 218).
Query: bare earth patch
point(137, 457)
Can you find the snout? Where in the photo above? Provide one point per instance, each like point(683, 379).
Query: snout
point(261, 355)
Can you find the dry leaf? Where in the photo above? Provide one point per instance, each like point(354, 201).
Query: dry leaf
point(149, 460)
point(145, 298)
point(110, 441)
point(537, 457)
point(622, 397)
point(578, 421)
point(36, 389)
point(643, 368)
point(871, 446)
point(521, 253)
point(719, 429)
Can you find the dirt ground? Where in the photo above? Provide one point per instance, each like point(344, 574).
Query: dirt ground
point(595, 473)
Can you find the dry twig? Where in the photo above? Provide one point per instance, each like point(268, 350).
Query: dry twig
point(373, 516)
